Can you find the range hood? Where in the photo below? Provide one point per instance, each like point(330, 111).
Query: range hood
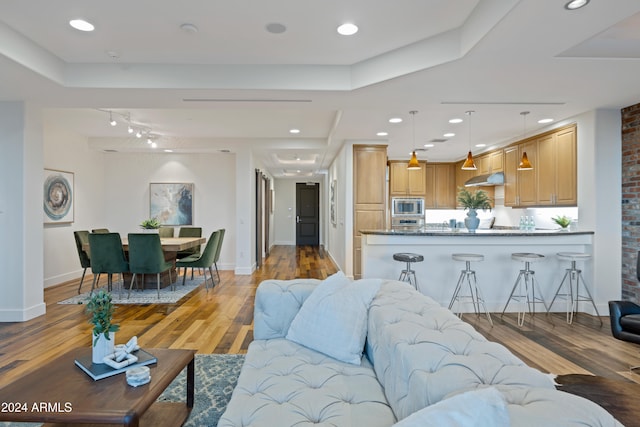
point(489, 179)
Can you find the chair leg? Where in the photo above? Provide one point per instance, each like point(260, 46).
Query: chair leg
point(133, 280)
point(82, 279)
point(217, 272)
point(184, 276)
point(158, 283)
point(213, 283)
point(93, 284)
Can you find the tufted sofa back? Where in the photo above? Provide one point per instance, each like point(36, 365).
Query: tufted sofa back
point(277, 303)
point(422, 352)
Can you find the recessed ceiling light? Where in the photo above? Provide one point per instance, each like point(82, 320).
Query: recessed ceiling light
point(168, 151)
point(481, 145)
point(347, 29)
point(429, 145)
point(576, 4)
point(189, 28)
point(154, 145)
point(543, 121)
point(395, 120)
point(275, 28)
point(456, 120)
point(81, 25)
point(382, 134)
point(449, 135)
point(294, 130)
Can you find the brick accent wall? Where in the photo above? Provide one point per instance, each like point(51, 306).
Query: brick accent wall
point(630, 201)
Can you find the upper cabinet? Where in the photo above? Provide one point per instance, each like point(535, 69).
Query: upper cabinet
point(552, 182)
point(406, 182)
point(441, 186)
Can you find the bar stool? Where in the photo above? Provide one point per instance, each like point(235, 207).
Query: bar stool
point(528, 278)
point(475, 294)
point(407, 274)
point(572, 296)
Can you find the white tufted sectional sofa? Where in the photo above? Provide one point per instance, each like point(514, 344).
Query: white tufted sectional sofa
point(418, 356)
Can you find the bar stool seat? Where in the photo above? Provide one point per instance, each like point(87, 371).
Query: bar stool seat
point(475, 295)
point(408, 274)
point(572, 295)
point(526, 278)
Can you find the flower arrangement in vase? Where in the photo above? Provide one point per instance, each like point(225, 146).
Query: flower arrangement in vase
point(472, 201)
point(100, 309)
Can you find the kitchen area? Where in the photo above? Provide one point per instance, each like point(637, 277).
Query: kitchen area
point(425, 217)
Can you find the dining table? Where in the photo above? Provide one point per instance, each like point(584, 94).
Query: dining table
point(170, 247)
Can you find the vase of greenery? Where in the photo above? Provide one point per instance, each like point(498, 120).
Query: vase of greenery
point(151, 225)
point(472, 201)
point(100, 309)
point(563, 221)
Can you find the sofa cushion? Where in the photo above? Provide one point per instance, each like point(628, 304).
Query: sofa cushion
point(333, 319)
point(478, 408)
point(285, 384)
point(423, 353)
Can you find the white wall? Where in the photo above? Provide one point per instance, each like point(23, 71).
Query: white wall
point(126, 192)
point(67, 151)
point(21, 212)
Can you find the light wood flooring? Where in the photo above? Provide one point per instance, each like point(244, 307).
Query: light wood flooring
point(220, 321)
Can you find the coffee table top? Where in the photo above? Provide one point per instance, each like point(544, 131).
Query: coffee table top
point(60, 391)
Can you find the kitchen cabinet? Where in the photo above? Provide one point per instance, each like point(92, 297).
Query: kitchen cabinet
point(557, 158)
point(406, 182)
point(553, 180)
point(441, 186)
point(463, 176)
point(369, 196)
point(489, 163)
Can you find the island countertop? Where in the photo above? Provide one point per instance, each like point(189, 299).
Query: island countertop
point(498, 232)
point(438, 272)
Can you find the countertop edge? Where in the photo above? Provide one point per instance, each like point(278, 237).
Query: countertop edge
point(479, 233)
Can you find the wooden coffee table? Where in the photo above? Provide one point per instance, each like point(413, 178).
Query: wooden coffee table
point(60, 393)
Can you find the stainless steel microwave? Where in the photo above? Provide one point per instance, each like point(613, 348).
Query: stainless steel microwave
point(407, 206)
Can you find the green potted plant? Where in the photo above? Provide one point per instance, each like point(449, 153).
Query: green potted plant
point(150, 224)
point(100, 309)
point(472, 201)
point(563, 221)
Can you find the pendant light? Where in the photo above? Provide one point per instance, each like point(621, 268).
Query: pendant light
point(525, 164)
point(413, 162)
point(468, 164)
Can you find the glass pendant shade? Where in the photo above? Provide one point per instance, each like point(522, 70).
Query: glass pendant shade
point(469, 165)
point(525, 164)
point(413, 162)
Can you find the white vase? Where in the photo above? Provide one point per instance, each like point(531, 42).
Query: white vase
point(151, 230)
point(103, 347)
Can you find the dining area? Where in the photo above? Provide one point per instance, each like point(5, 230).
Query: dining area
point(147, 260)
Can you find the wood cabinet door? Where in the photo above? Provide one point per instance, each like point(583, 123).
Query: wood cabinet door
point(370, 166)
point(566, 168)
point(430, 193)
point(417, 182)
point(483, 164)
point(527, 194)
point(496, 161)
point(398, 184)
point(445, 186)
point(545, 168)
point(511, 161)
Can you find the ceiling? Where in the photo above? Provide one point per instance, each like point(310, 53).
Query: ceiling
point(225, 82)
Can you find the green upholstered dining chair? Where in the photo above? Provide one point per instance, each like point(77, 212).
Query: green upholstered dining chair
point(218, 250)
point(165, 232)
point(146, 257)
point(100, 230)
point(82, 238)
point(107, 257)
point(204, 260)
point(189, 232)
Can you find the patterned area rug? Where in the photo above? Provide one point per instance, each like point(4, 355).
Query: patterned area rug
point(216, 376)
point(146, 296)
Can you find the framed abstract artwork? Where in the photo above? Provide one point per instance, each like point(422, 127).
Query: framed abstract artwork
point(58, 197)
point(171, 203)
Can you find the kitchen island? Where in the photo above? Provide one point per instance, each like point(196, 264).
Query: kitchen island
point(438, 273)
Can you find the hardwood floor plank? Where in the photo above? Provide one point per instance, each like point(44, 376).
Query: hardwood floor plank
point(220, 320)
